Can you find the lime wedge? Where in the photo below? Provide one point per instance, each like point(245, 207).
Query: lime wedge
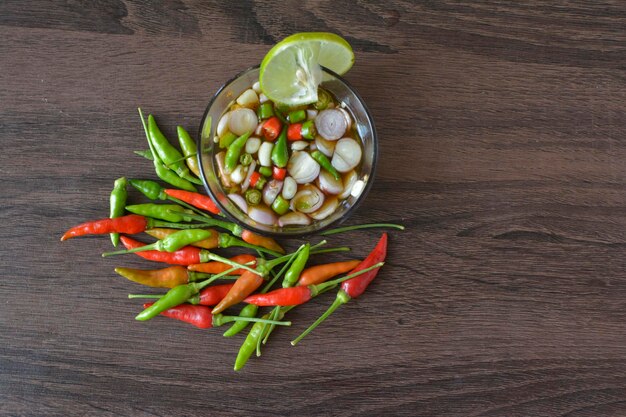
point(290, 72)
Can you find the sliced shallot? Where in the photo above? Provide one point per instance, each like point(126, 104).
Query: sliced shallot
point(262, 215)
point(302, 167)
point(294, 218)
point(308, 199)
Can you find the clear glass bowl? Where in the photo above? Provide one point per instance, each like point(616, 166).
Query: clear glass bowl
point(225, 97)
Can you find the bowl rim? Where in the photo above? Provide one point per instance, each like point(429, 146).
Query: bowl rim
point(293, 233)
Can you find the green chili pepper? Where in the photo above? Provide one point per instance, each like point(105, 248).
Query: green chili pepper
point(308, 130)
point(190, 150)
point(168, 153)
point(323, 99)
point(227, 139)
point(265, 110)
point(170, 243)
point(265, 171)
point(253, 197)
point(280, 205)
point(145, 153)
point(248, 311)
point(117, 201)
point(176, 296)
point(293, 273)
point(279, 111)
point(234, 150)
point(296, 116)
point(280, 153)
point(325, 163)
point(162, 171)
point(150, 189)
point(245, 159)
point(168, 212)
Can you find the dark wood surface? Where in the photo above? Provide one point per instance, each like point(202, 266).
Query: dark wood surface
point(502, 149)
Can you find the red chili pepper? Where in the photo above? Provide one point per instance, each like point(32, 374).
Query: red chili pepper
point(185, 256)
point(291, 296)
point(130, 224)
point(353, 287)
point(219, 267)
point(294, 131)
point(271, 128)
point(357, 286)
point(198, 200)
point(254, 178)
point(212, 295)
point(262, 241)
point(279, 174)
point(199, 316)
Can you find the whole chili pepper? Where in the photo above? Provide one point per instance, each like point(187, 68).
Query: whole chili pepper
point(234, 150)
point(296, 116)
point(161, 170)
point(201, 317)
point(293, 273)
point(185, 256)
point(170, 243)
point(299, 295)
point(321, 273)
point(246, 284)
point(218, 267)
point(195, 199)
point(325, 163)
point(210, 243)
point(354, 287)
point(280, 152)
point(249, 310)
point(249, 345)
point(130, 224)
point(168, 212)
point(168, 153)
point(117, 201)
point(190, 151)
point(168, 277)
point(149, 188)
point(263, 241)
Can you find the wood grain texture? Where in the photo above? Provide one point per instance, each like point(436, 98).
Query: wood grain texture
point(502, 150)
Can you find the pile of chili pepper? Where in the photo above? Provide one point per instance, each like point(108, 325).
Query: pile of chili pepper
point(189, 228)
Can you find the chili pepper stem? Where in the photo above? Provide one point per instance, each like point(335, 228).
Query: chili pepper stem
point(229, 319)
point(152, 246)
point(235, 229)
point(214, 257)
point(342, 298)
point(362, 226)
point(330, 250)
point(150, 296)
point(190, 207)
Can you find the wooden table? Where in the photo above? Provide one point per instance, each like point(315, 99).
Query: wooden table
point(502, 150)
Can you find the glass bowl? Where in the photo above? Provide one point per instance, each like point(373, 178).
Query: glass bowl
point(227, 94)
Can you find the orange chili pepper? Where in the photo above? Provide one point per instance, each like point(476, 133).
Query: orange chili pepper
point(219, 267)
point(198, 200)
point(320, 273)
point(264, 242)
point(245, 285)
point(159, 278)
